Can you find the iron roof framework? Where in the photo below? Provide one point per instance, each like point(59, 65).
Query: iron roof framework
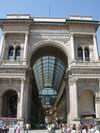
point(48, 71)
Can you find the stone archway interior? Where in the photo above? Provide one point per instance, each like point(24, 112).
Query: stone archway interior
point(49, 71)
point(9, 105)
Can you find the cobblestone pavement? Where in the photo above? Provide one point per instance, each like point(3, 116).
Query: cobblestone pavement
point(34, 131)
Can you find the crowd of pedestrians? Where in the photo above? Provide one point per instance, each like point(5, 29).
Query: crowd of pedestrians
point(62, 127)
point(73, 128)
point(25, 128)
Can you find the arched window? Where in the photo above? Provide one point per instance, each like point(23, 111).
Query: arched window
point(80, 54)
point(86, 51)
point(9, 104)
point(10, 53)
point(17, 53)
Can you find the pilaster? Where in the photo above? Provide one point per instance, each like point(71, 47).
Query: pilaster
point(95, 48)
point(72, 48)
point(97, 102)
point(21, 100)
point(97, 107)
point(73, 100)
point(99, 87)
point(25, 47)
point(2, 45)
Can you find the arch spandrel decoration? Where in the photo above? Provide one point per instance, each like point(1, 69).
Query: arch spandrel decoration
point(61, 46)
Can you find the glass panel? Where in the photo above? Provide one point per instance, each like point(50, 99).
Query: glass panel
point(10, 53)
point(17, 53)
point(87, 54)
point(80, 54)
point(48, 71)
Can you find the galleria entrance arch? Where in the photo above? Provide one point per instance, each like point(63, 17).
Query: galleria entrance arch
point(49, 62)
point(48, 66)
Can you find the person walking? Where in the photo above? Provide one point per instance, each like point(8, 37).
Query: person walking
point(53, 128)
point(49, 128)
point(27, 127)
point(17, 129)
point(24, 128)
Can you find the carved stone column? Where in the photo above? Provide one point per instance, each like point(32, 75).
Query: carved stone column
point(97, 107)
point(72, 47)
point(21, 100)
point(2, 46)
point(97, 102)
point(73, 99)
point(22, 97)
point(95, 48)
point(67, 99)
point(18, 105)
point(25, 46)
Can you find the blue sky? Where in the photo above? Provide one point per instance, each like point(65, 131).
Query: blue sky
point(58, 8)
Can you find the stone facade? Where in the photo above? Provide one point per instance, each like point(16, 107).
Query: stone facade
point(81, 79)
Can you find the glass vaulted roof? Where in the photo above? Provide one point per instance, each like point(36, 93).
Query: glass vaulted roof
point(48, 71)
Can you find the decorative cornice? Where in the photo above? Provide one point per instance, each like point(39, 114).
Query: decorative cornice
point(12, 70)
point(84, 71)
point(15, 21)
point(49, 22)
point(50, 26)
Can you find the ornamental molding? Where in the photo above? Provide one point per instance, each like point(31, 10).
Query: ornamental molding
point(13, 70)
point(53, 43)
point(87, 84)
point(83, 43)
point(72, 80)
point(84, 40)
point(56, 37)
point(15, 42)
point(50, 35)
point(97, 99)
point(9, 84)
point(84, 71)
point(83, 36)
point(15, 22)
point(10, 81)
point(15, 39)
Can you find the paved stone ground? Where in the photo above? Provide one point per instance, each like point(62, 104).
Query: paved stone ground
point(35, 131)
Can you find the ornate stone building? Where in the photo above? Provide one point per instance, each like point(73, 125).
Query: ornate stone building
point(49, 69)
